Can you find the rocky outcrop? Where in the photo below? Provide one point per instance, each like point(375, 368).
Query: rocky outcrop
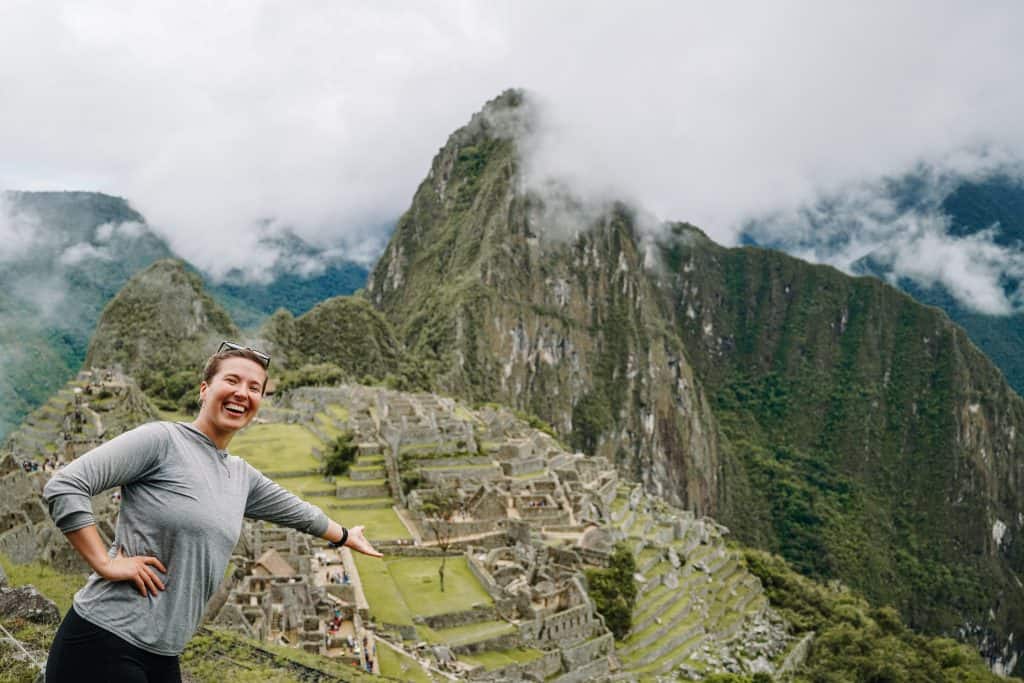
point(571, 330)
point(25, 602)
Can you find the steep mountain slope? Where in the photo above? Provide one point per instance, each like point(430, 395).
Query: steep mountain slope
point(344, 331)
point(569, 330)
point(986, 213)
point(830, 418)
point(871, 439)
point(66, 254)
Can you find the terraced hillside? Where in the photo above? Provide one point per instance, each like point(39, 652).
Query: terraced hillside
point(94, 406)
point(698, 609)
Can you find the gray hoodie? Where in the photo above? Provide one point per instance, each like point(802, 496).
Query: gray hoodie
point(182, 502)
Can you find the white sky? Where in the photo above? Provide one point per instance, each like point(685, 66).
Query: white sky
point(325, 115)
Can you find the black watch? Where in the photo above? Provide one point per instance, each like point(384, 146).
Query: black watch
point(341, 541)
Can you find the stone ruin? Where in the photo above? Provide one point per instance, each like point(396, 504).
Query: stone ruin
point(94, 407)
point(281, 592)
point(532, 516)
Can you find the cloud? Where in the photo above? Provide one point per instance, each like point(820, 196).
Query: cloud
point(898, 228)
point(323, 117)
point(972, 268)
point(19, 232)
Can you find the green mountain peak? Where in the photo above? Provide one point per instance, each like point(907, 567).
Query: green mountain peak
point(159, 329)
point(828, 418)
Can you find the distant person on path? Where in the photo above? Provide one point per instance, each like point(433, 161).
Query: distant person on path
point(183, 500)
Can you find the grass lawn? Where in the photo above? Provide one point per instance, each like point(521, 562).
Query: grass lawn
point(496, 659)
point(277, 447)
point(381, 524)
point(401, 667)
point(470, 633)
point(301, 485)
point(356, 503)
point(337, 412)
point(346, 482)
point(457, 468)
point(327, 425)
point(386, 602)
point(530, 475)
point(418, 581)
point(402, 587)
point(58, 587)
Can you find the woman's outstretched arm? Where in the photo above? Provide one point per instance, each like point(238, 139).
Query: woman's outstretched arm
point(356, 540)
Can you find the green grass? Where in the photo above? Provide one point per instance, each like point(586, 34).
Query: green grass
point(339, 413)
point(308, 483)
point(342, 503)
point(417, 579)
point(381, 523)
point(367, 467)
point(497, 659)
point(418, 447)
point(401, 667)
point(277, 447)
point(470, 633)
point(453, 468)
point(530, 475)
point(346, 482)
point(58, 587)
point(403, 587)
point(327, 425)
point(216, 655)
point(386, 602)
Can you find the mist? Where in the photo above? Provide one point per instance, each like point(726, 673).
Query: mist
point(221, 122)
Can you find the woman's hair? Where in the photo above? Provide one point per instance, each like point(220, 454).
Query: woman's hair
point(214, 361)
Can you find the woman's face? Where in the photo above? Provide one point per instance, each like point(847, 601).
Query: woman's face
point(230, 400)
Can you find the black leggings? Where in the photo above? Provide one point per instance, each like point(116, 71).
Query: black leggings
point(82, 651)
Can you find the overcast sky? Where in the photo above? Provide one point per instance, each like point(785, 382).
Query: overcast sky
point(324, 116)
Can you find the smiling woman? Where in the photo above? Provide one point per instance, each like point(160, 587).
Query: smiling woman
point(183, 500)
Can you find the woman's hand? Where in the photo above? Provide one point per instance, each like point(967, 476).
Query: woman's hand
point(137, 569)
point(357, 541)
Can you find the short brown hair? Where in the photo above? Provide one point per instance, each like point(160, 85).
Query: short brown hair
point(214, 361)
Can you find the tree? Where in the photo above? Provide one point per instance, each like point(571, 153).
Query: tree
point(341, 456)
point(613, 590)
point(440, 507)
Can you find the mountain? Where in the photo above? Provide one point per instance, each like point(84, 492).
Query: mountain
point(159, 329)
point(66, 254)
point(345, 332)
point(297, 277)
point(985, 213)
point(829, 418)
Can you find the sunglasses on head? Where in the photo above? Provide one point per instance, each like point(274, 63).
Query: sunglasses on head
point(232, 346)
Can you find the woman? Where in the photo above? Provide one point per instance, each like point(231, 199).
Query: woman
point(183, 500)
